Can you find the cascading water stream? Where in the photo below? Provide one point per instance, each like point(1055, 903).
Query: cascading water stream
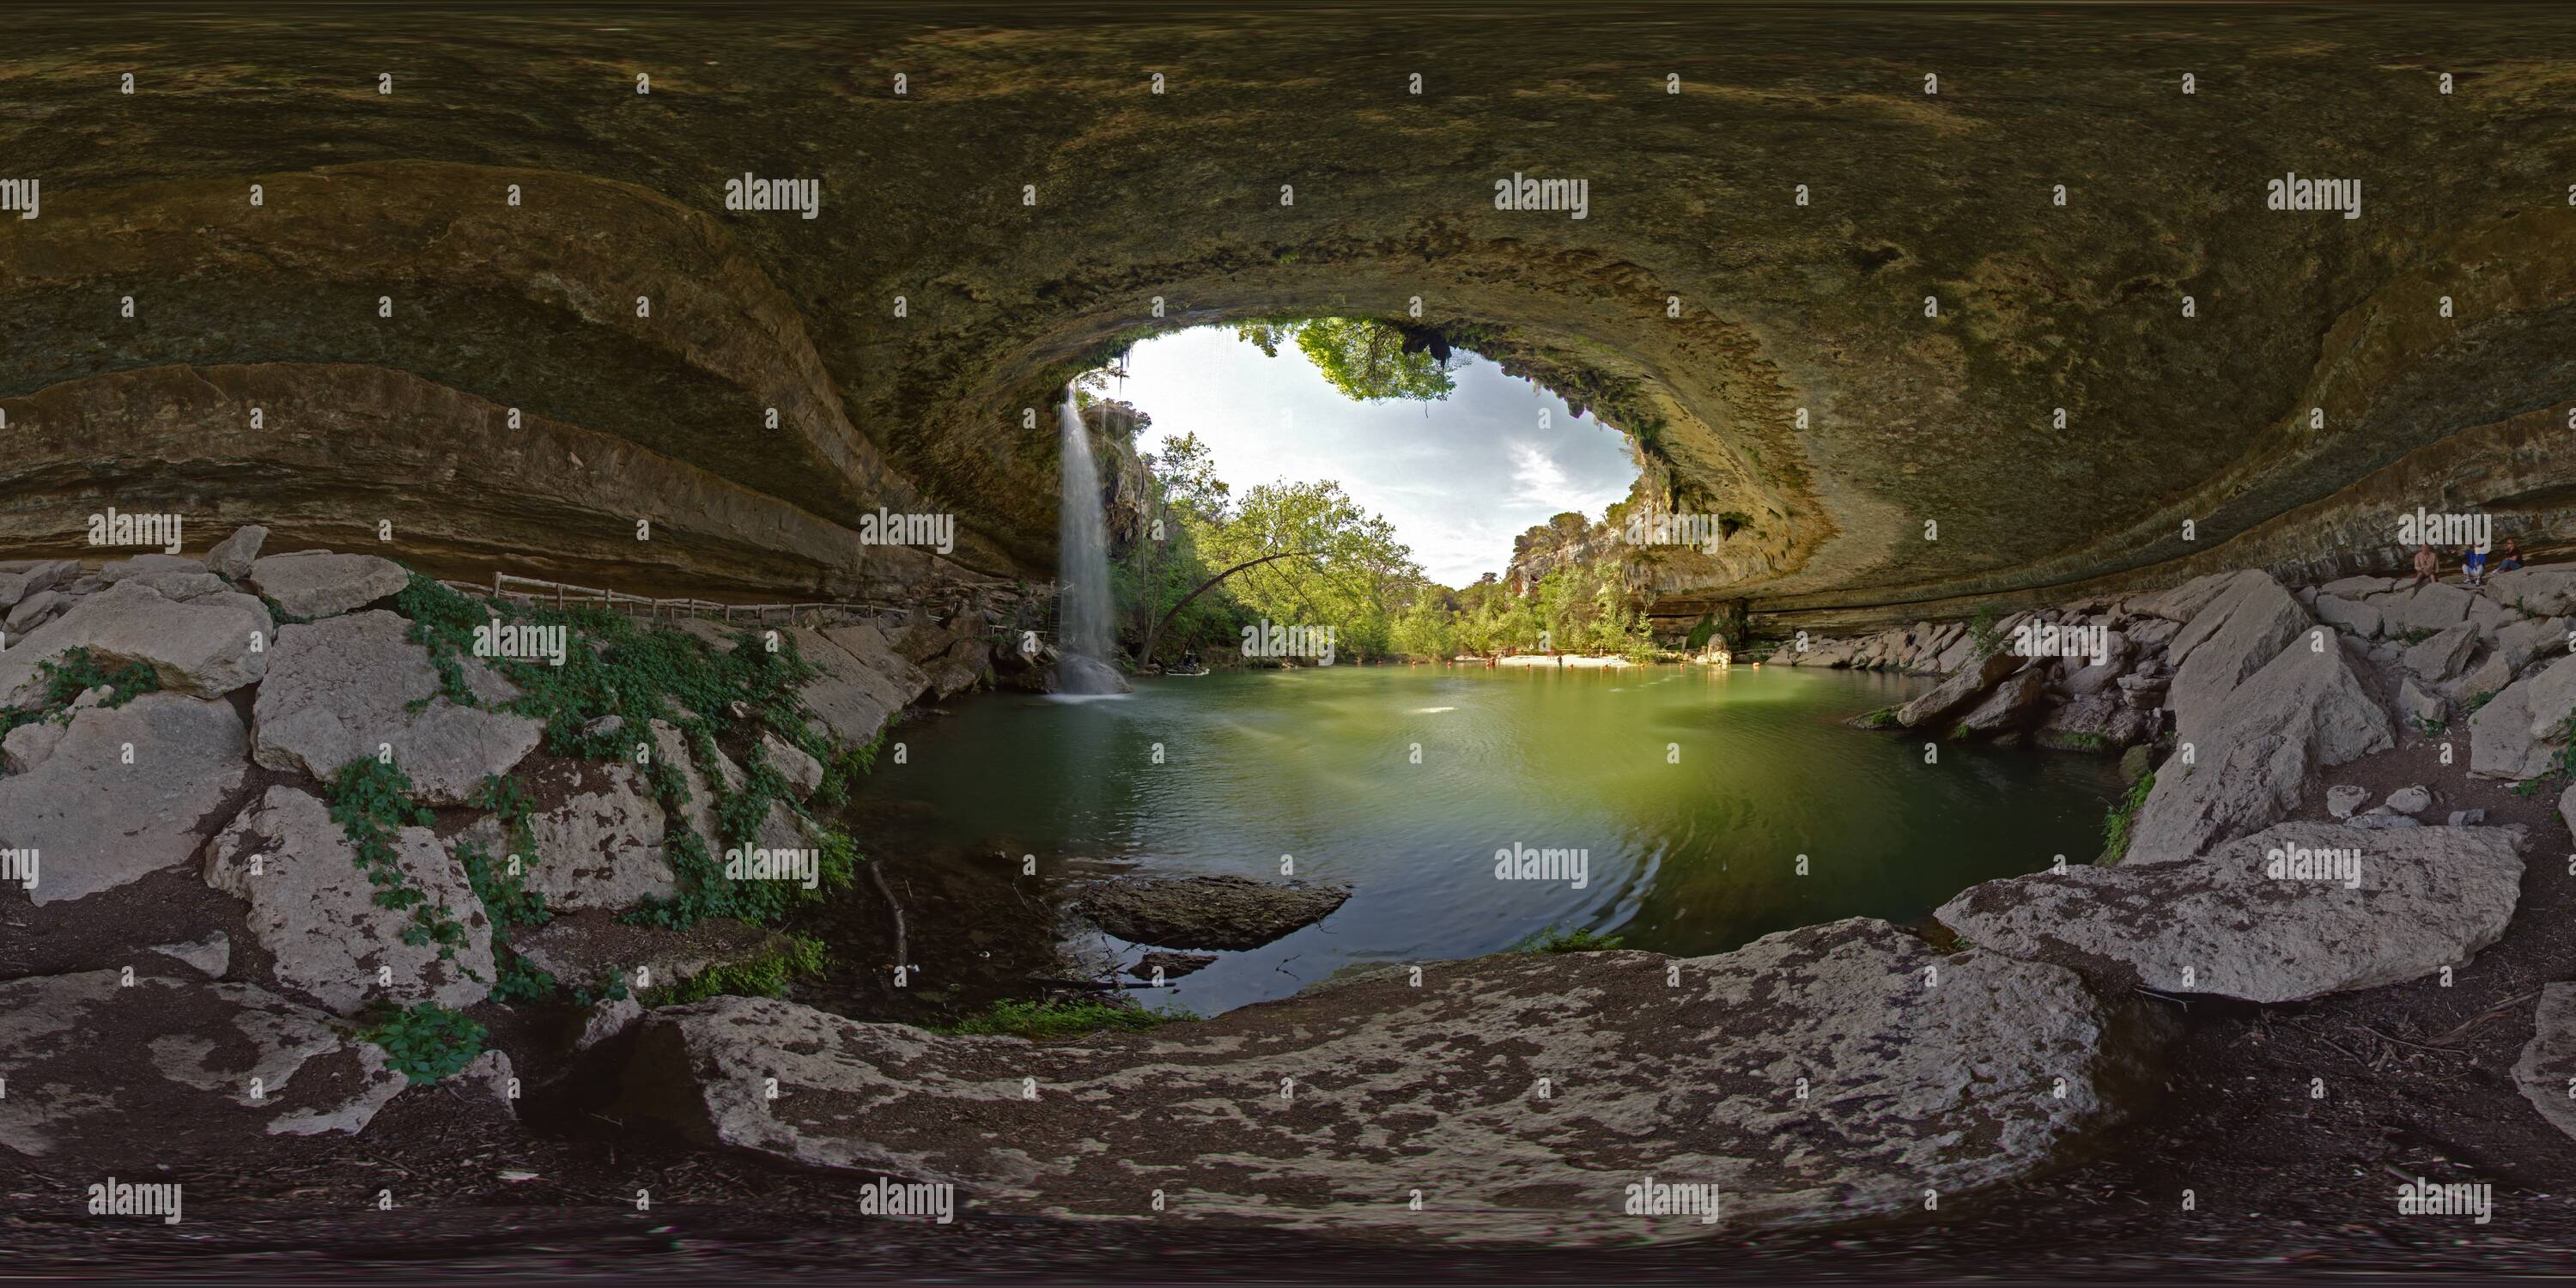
point(1082, 566)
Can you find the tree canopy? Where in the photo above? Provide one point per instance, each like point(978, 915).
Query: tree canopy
point(1363, 358)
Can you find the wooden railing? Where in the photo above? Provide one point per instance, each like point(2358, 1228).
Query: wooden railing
point(510, 586)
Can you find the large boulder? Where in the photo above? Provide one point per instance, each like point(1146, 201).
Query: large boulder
point(965, 664)
point(2550, 591)
point(2016, 704)
point(340, 687)
point(313, 585)
point(2520, 643)
point(2433, 606)
point(1958, 693)
point(118, 570)
point(2546, 1072)
point(2100, 722)
point(864, 681)
point(2184, 602)
point(2442, 656)
point(204, 647)
point(2249, 757)
point(2522, 730)
point(314, 909)
point(234, 555)
point(597, 833)
point(2280, 916)
point(1206, 911)
point(2360, 618)
point(1827, 1074)
point(121, 1076)
point(2246, 626)
point(98, 819)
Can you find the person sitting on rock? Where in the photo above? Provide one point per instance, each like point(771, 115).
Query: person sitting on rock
point(2427, 565)
point(2511, 558)
point(2473, 566)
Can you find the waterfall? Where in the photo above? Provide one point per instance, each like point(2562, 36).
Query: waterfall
point(1082, 566)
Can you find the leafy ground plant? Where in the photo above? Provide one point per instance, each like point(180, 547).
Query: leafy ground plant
point(1063, 1019)
point(371, 801)
point(615, 666)
point(427, 1042)
point(74, 673)
point(1560, 939)
point(2116, 825)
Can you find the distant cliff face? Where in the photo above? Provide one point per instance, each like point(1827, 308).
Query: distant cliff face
point(514, 312)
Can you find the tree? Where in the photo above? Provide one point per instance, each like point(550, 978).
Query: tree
point(1427, 630)
point(1364, 358)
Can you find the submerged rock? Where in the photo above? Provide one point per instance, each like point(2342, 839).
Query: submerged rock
point(2298, 911)
point(1206, 911)
point(1512, 1089)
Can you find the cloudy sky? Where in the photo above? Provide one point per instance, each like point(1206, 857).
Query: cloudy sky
point(1458, 478)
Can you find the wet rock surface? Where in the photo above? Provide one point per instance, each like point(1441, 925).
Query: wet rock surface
point(1206, 911)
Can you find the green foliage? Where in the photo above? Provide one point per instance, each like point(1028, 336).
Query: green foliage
point(427, 1042)
point(1700, 633)
point(2115, 826)
point(616, 666)
point(1883, 718)
point(1559, 939)
point(612, 987)
point(762, 976)
point(505, 894)
point(76, 672)
point(2086, 740)
point(1044, 1020)
point(1364, 358)
point(521, 981)
point(2413, 637)
point(1981, 630)
point(371, 801)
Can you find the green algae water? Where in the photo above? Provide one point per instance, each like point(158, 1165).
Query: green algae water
point(1689, 810)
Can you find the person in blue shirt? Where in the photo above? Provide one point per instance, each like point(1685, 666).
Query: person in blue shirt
point(2473, 566)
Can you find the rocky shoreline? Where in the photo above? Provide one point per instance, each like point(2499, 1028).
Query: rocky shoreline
point(289, 999)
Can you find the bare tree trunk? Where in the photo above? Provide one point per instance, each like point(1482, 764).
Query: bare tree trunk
point(1145, 656)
